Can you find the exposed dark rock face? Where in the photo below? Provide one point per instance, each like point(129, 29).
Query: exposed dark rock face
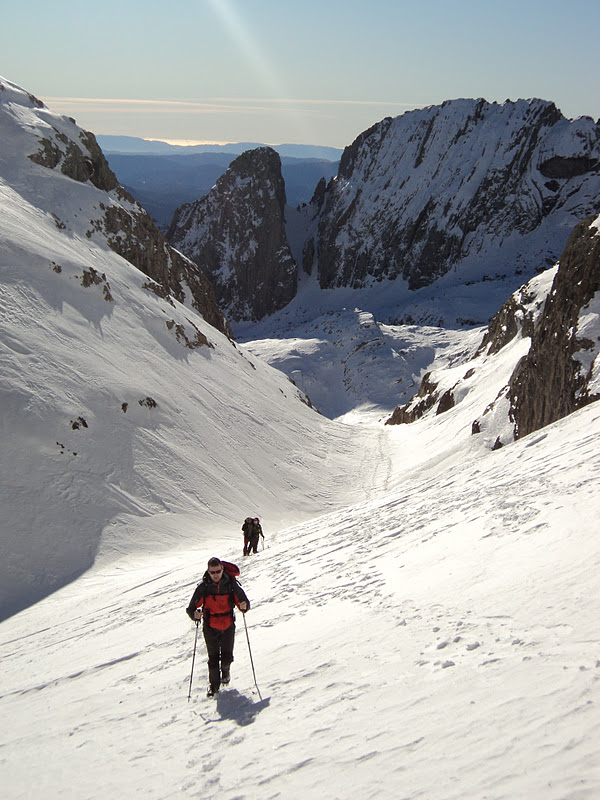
point(559, 167)
point(553, 380)
point(236, 234)
point(517, 316)
point(83, 161)
point(133, 235)
point(464, 184)
point(128, 229)
point(446, 402)
point(426, 398)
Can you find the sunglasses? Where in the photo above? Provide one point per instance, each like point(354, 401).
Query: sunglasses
point(215, 571)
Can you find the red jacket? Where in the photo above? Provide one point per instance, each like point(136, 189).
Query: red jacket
point(217, 601)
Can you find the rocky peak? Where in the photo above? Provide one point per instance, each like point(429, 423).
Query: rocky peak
point(236, 233)
point(467, 185)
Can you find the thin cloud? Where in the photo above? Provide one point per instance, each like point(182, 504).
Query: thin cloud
point(300, 101)
point(151, 106)
point(215, 105)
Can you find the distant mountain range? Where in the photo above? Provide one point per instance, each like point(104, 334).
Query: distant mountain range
point(163, 177)
point(130, 145)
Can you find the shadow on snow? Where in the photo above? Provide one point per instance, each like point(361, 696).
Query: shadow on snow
point(239, 708)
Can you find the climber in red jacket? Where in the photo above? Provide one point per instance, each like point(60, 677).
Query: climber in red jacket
point(213, 601)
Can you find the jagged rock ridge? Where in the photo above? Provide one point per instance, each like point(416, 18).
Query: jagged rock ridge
point(561, 372)
point(237, 235)
point(467, 184)
point(117, 218)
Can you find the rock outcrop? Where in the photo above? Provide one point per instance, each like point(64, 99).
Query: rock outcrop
point(553, 324)
point(425, 399)
point(117, 218)
point(561, 372)
point(236, 234)
point(467, 185)
point(131, 232)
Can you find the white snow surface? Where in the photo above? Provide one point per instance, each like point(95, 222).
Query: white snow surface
point(424, 618)
point(438, 642)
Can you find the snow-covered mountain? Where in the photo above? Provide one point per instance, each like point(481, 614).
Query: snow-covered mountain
point(237, 232)
point(73, 169)
point(456, 195)
point(478, 187)
point(126, 417)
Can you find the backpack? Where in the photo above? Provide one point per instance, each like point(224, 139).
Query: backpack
point(231, 569)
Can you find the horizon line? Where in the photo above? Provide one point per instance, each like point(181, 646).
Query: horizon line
point(215, 102)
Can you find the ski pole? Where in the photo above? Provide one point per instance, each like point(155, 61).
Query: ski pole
point(251, 661)
point(193, 659)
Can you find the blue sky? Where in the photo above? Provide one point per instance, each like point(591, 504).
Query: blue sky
point(308, 72)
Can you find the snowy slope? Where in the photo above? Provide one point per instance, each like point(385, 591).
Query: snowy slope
point(353, 366)
point(357, 368)
point(439, 643)
point(127, 420)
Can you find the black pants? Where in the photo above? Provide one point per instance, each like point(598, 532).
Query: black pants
point(253, 546)
point(219, 646)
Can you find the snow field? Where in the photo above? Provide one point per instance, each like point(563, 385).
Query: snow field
point(438, 643)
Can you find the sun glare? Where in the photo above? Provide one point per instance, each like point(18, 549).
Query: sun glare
point(184, 142)
point(232, 22)
point(266, 74)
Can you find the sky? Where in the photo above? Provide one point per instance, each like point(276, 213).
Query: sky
point(317, 72)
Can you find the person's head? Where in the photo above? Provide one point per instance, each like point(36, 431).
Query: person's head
point(215, 569)
point(255, 519)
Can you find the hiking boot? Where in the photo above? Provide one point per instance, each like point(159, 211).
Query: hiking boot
point(212, 691)
point(225, 676)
